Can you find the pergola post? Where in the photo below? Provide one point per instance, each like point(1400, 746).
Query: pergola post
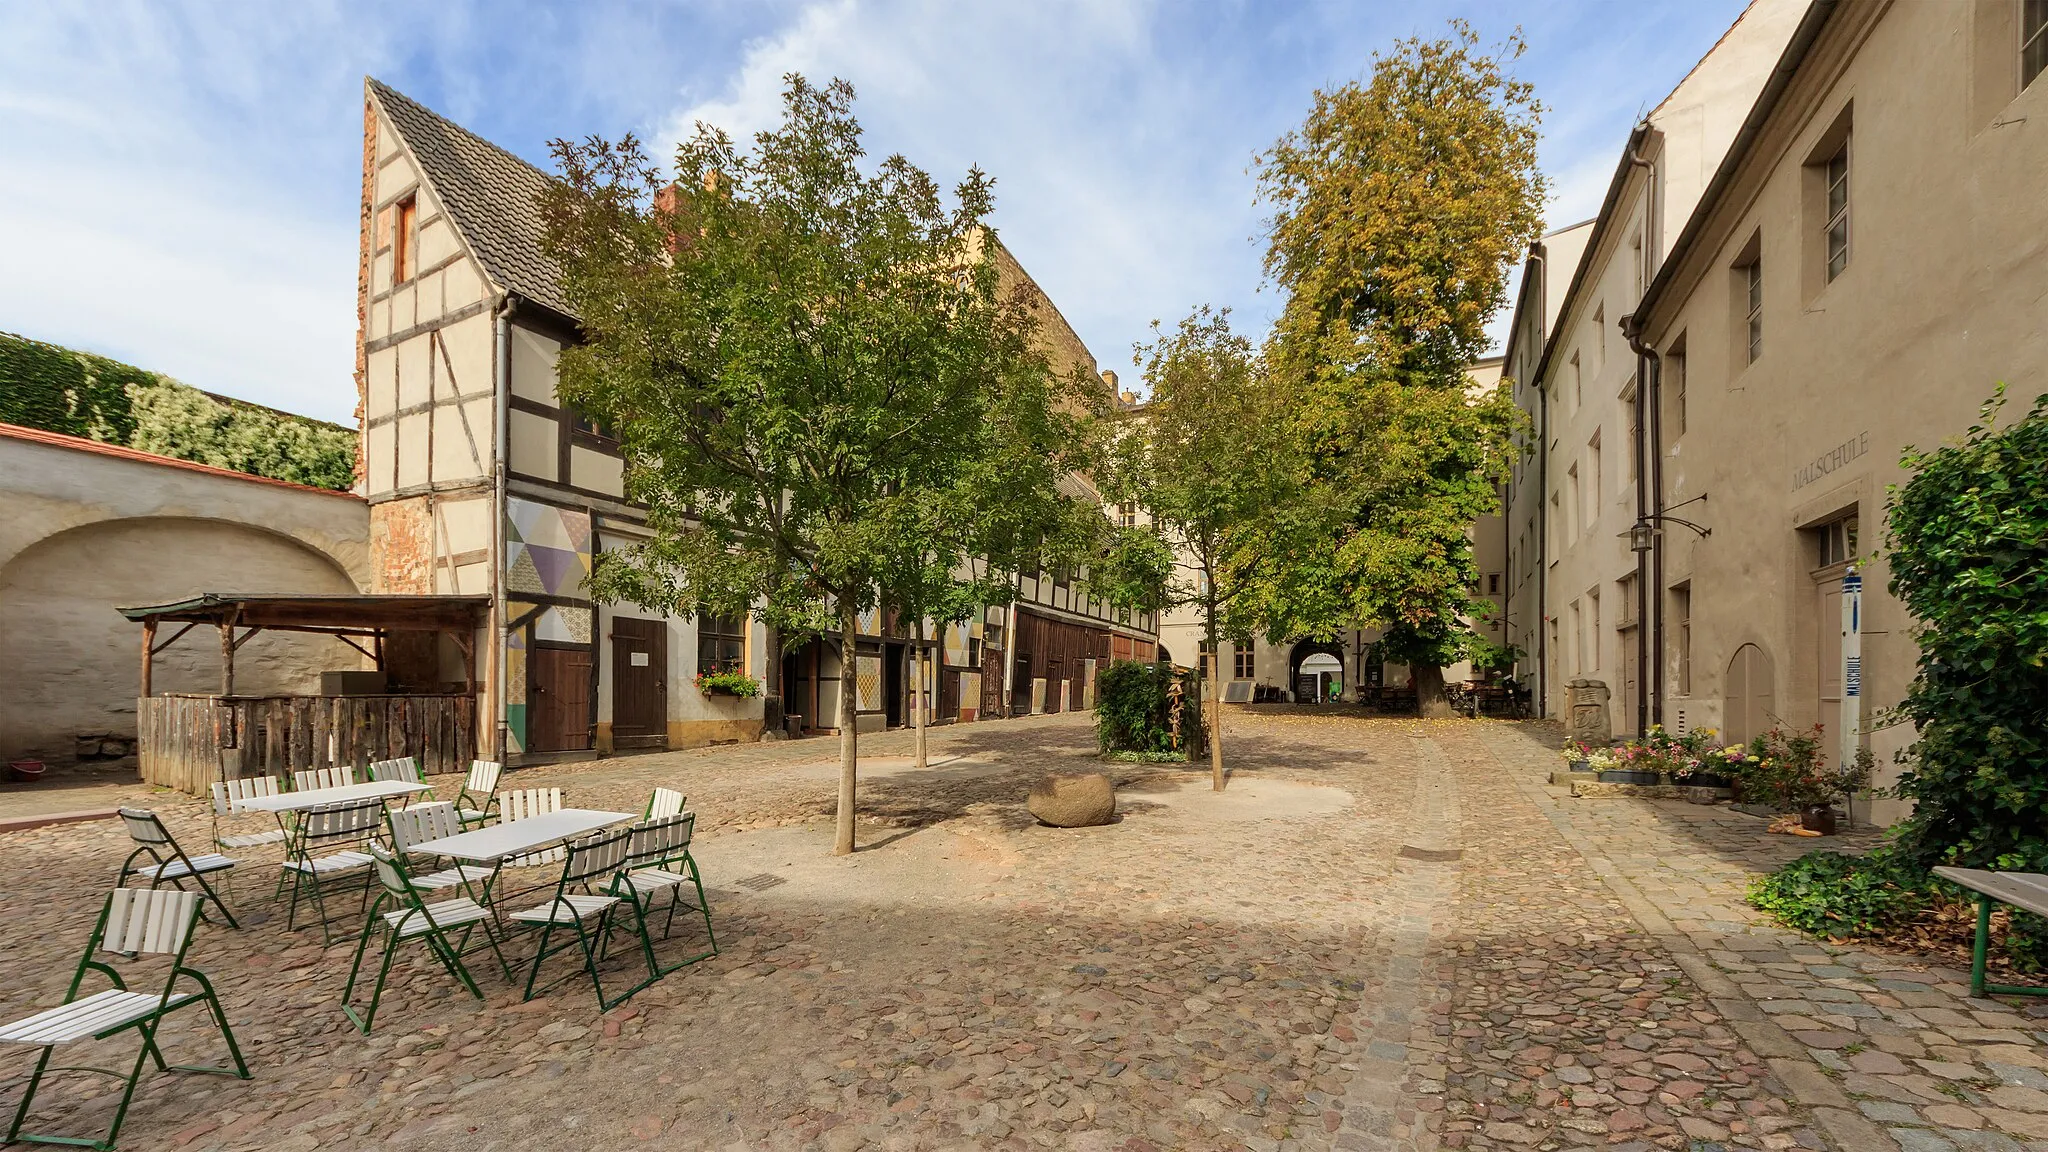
point(227, 658)
point(148, 652)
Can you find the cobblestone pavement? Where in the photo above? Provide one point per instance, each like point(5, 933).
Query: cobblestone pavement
point(1385, 935)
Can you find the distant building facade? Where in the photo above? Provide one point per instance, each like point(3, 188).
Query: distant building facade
point(480, 480)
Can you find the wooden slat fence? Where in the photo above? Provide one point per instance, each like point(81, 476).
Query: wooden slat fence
point(180, 736)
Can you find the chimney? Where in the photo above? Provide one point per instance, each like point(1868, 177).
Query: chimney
point(1109, 378)
point(1130, 399)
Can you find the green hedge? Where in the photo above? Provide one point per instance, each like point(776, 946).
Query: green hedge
point(76, 393)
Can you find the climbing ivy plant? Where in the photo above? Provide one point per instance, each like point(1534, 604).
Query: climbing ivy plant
point(78, 394)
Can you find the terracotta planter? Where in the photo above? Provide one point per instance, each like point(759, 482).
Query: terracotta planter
point(1819, 818)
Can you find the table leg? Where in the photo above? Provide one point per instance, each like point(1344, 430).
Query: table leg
point(1981, 950)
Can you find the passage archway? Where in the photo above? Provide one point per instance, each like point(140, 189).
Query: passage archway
point(71, 657)
point(1316, 671)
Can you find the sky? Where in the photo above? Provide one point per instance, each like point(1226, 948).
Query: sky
point(179, 182)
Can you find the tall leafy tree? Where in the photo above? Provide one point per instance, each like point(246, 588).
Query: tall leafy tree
point(1399, 204)
point(1206, 459)
point(803, 355)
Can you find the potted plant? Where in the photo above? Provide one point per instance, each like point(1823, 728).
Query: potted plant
point(1631, 762)
point(727, 684)
point(1576, 755)
point(1696, 762)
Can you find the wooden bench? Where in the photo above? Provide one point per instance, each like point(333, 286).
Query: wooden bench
point(2027, 890)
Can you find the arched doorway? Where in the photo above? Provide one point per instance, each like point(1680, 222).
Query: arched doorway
point(1314, 668)
point(1750, 706)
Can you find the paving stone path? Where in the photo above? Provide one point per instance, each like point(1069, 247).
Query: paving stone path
point(1385, 935)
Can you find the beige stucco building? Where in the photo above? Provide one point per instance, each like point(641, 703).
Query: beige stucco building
point(480, 480)
point(92, 527)
point(1573, 498)
point(1867, 262)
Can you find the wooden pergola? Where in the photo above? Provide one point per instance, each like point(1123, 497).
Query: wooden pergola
point(182, 737)
point(348, 618)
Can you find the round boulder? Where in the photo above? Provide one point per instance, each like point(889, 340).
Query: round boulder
point(1075, 801)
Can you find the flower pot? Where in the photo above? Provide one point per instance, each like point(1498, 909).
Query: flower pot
point(26, 771)
point(1705, 780)
point(1581, 766)
point(1629, 776)
point(1819, 818)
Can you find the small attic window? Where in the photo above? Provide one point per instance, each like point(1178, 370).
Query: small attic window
point(405, 226)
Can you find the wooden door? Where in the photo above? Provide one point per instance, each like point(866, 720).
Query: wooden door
point(1631, 680)
point(639, 683)
point(1751, 706)
point(561, 699)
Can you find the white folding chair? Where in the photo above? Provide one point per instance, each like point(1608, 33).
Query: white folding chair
point(133, 922)
point(227, 798)
point(665, 802)
point(591, 865)
point(524, 804)
point(432, 821)
point(344, 826)
point(412, 918)
point(168, 862)
point(339, 776)
point(658, 860)
point(404, 769)
point(478, 799)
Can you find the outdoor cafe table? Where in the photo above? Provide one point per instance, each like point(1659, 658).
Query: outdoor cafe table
point(500, 842)
point(314, 797)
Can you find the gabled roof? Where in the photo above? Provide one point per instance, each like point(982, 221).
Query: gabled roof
point(488, 193)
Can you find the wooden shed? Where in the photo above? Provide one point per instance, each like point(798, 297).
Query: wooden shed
point(400, 705)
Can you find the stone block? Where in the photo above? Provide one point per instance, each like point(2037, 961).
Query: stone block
point(1073, 801)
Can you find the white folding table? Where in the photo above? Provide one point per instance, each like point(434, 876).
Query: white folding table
point(315, 797)
point(519, 837)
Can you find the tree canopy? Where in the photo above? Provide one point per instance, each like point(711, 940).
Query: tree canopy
point(816, 376)
point(1399, 205)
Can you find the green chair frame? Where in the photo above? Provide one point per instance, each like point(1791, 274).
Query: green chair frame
point(134, 921)
point(412, 918)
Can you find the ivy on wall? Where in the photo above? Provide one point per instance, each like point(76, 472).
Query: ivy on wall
point(76, 393)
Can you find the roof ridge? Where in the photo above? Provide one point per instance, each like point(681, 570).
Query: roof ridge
point(1747, 8)
point(389, 93)
point(124, 452)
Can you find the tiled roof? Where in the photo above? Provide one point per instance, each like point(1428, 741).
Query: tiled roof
point(489, 194)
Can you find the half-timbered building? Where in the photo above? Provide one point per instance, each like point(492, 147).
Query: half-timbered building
point(480, 480)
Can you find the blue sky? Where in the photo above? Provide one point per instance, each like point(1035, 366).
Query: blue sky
point(178, 182)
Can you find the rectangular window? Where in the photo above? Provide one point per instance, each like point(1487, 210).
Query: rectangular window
point(1681, 613)
point(1674, 387)
point(1127, 514)
point(1753, 289)
point(1836, 171)
point(1838, 541)
point(1593, 626)
point(1578, 503)
point(405, 221)
point(721, 643)
point(1578, 384)
point(1594, 479)
point(1578, 641)
point(1625, 588)
point(1635, 419)
point(2033, 40)
point(1555, 528)
point(1599, 337)
point(1244, 662)
point(1493, 583)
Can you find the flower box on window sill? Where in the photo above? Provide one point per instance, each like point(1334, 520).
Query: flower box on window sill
point(736, 684)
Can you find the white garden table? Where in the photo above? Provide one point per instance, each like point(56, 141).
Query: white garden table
point(314, 797)
point(519, 837)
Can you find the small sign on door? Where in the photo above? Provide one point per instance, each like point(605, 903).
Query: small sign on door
point(639, 659)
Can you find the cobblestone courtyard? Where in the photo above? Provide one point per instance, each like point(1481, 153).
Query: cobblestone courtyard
point(1386, 935)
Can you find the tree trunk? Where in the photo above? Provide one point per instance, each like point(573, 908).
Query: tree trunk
point(1430, 701)
point(849, 738)
point(771, 681)
point(922, 668)
point(1216, 777)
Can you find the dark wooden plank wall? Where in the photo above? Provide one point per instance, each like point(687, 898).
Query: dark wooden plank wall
point(180, 737)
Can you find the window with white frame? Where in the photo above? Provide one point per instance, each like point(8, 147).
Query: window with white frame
point(1836, 172)
point(1244, 665)
point(2033, 40)
point(1753, 293)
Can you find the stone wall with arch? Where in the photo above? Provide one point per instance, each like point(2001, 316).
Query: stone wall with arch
point(91, 528)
